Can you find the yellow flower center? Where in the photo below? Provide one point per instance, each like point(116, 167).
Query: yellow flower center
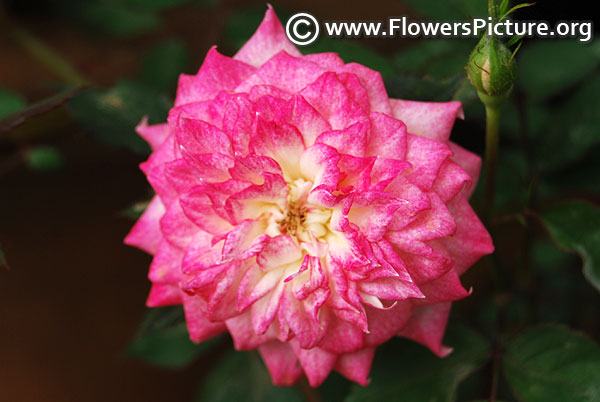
point(300, 219)
point(294, 220)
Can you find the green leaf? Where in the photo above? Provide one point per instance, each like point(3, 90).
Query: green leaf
point(514, 40)
point(241, 377)
point(10, 102)
point(44, 158)
point(163, 64)
point(112, 115)
point(406, 371)
point(575, 226)
point(503, 7)
point(163, 339)
point(551, 363)
point(449, 10)
point(548, 67)
point(515, 8)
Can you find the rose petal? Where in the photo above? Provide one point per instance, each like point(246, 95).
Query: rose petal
point(433, 120)
point(268, 40)
point(281, 362)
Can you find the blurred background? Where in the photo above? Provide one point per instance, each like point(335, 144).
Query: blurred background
point(73, 298)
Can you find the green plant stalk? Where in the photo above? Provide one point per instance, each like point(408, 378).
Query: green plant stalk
point(492, 137)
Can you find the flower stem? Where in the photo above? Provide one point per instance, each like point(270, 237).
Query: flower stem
point(492, 117)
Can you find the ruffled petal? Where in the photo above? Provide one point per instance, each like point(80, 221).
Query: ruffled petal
point(268, 40)
point(471, 240)
point(218, 73)
point(199, 327)
point(433, 120)
point(470, 162)
point(427, 326)
point(164, 295)
point(388, 137)
point(146, 233)
point(331, 99)
point(356, 366)
point(372, 81)
point(283, 71)
point(316, 363)
point(281, 362)
point(154, 134)
point(426, 157)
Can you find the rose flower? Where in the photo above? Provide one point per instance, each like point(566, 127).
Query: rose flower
point(304, 211)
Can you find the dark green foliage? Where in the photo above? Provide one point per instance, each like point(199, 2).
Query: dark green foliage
point(550, 363)
point(548, 67)
point(575, 226)
point(242, 377)
point(111, 115)
point(163, 339)
point(405, 371)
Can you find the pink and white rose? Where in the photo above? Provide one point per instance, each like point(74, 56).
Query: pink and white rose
point(304, 211)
